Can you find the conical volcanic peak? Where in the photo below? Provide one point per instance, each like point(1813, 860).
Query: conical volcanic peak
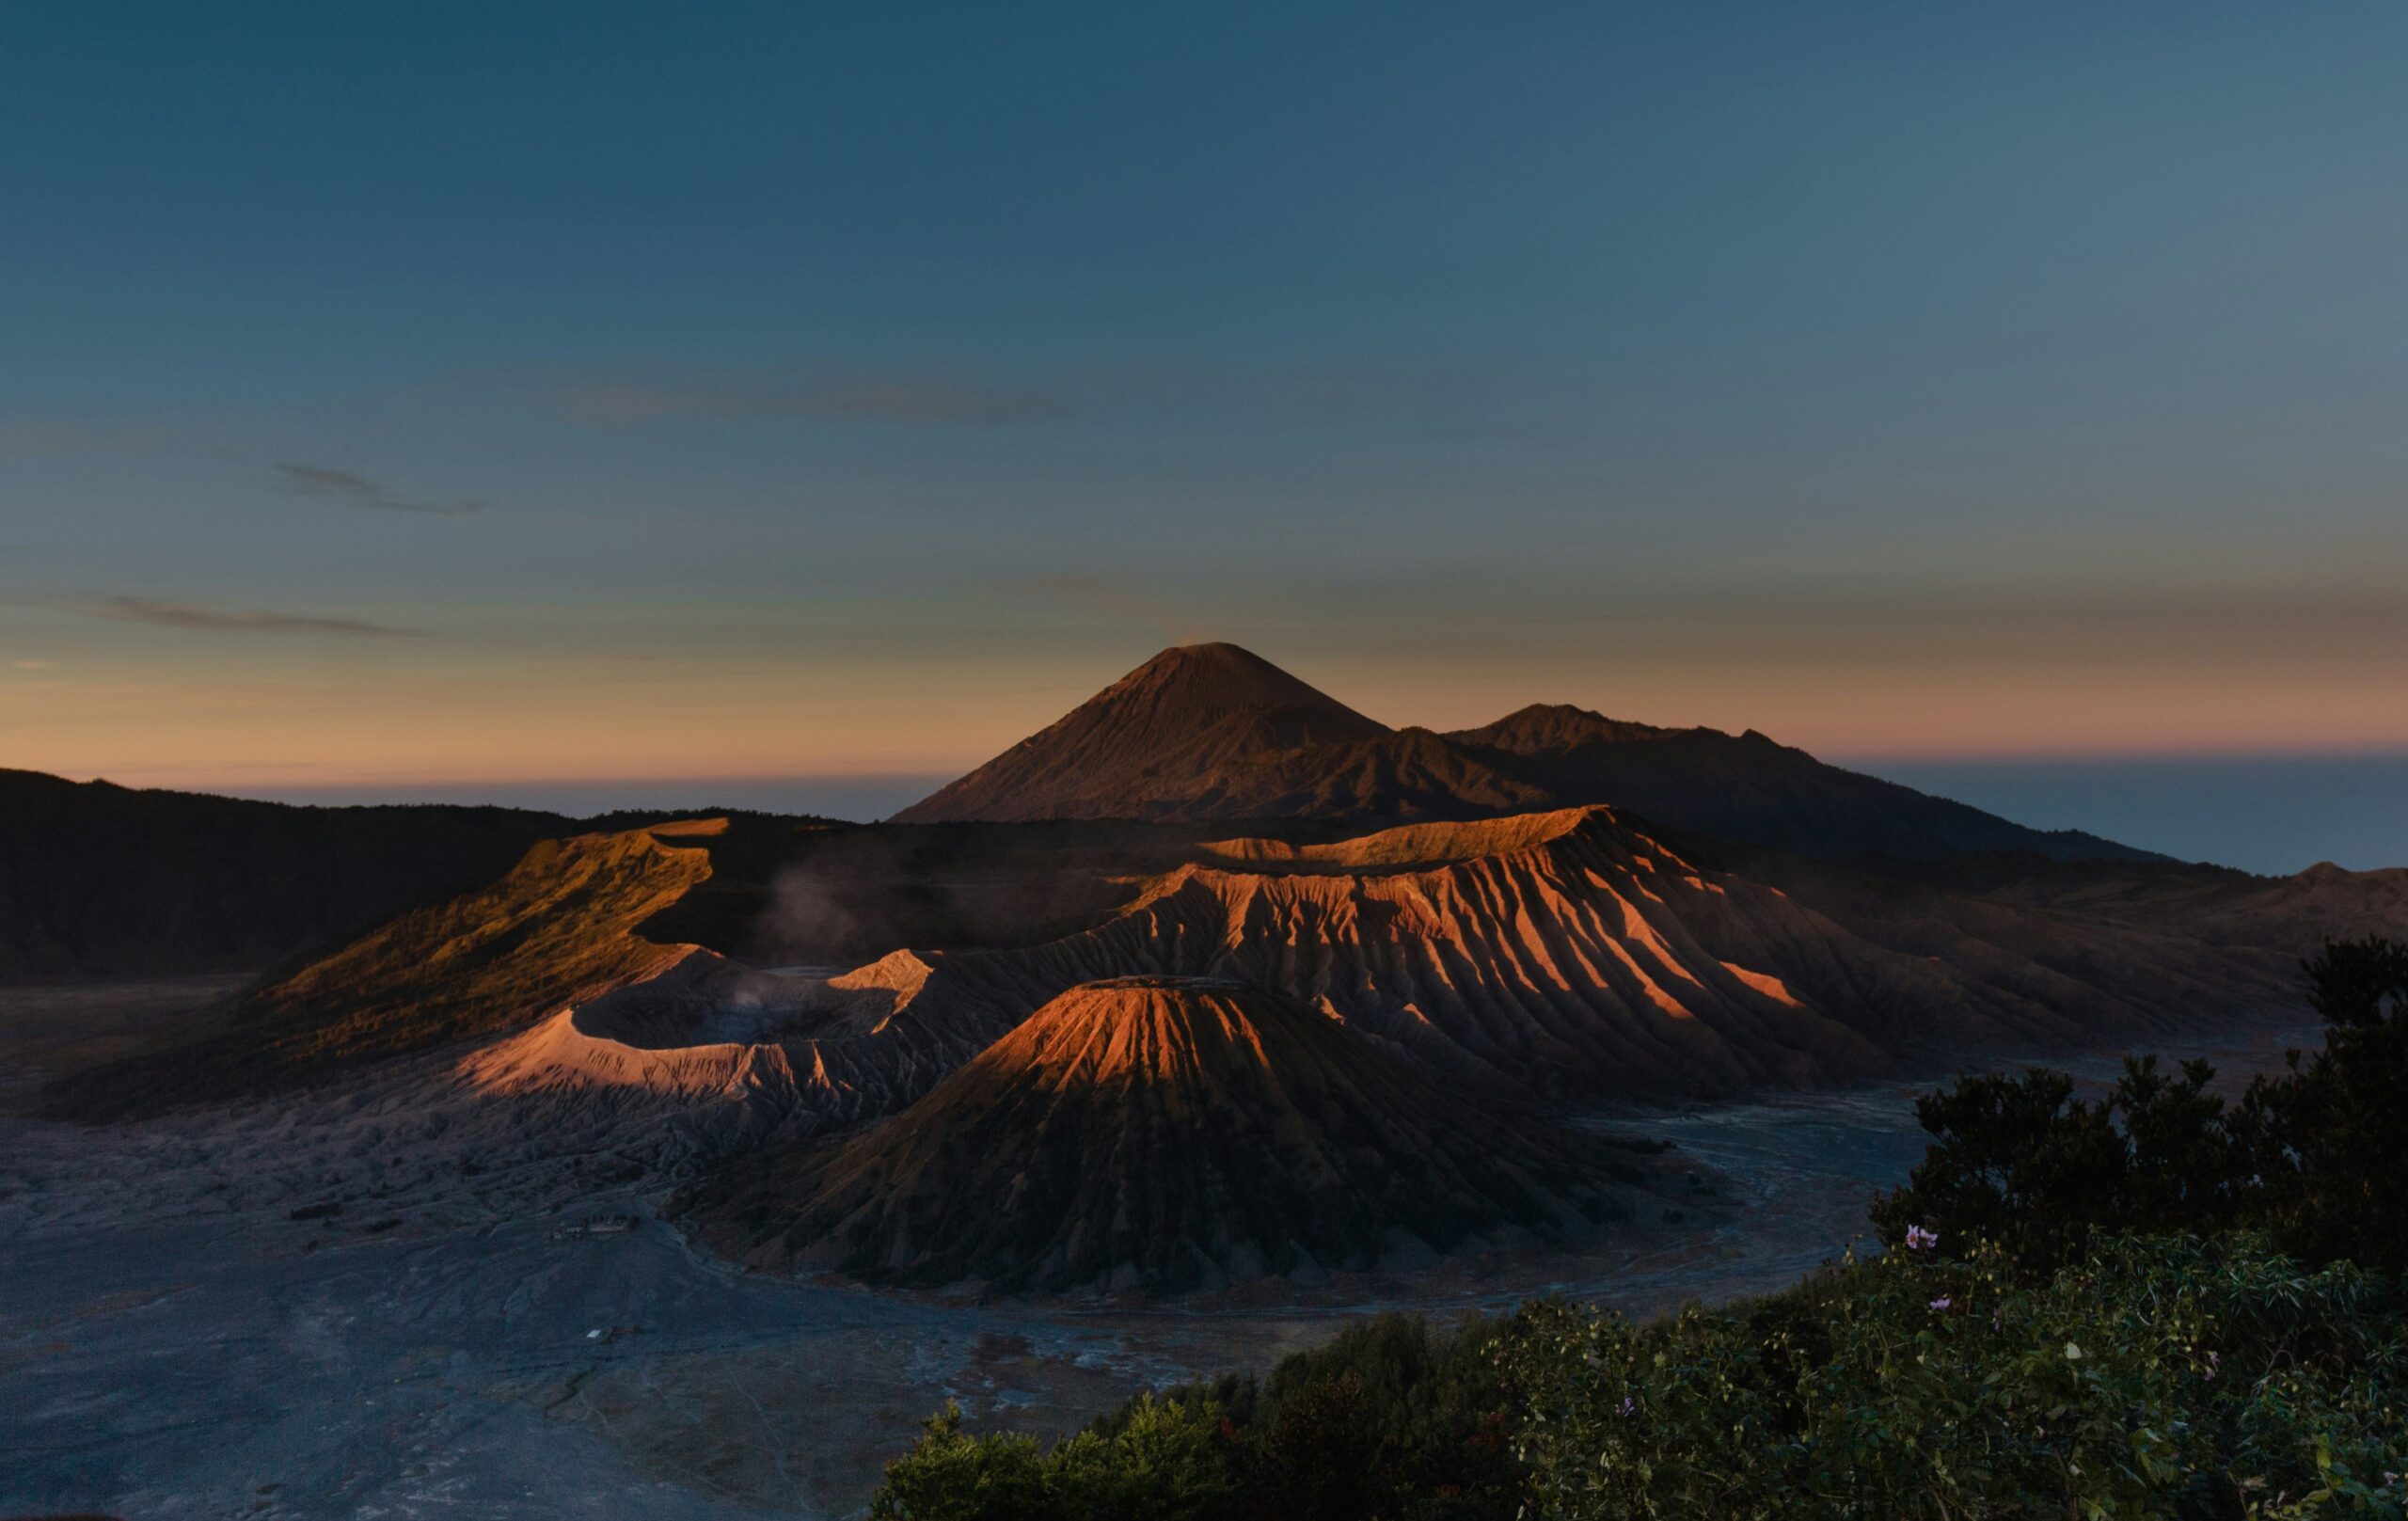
point(1166, 1133)
point(1193, 681)
point(1156, 1030)
point(1153, 738)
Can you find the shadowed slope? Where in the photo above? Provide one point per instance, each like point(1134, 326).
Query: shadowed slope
point(1407, 775)
point(1158, 733)
point(104, 880)
point(1748, 787)
point(1161, 1133)
point(559, 928)
point(2288, 917)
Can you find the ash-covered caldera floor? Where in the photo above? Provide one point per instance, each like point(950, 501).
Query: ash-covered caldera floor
point(371, 1301)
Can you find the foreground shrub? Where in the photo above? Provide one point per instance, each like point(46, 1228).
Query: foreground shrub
point(2154, 1378)
point(1392, 1419)
point(2315, 1156)
point(1165, 1459)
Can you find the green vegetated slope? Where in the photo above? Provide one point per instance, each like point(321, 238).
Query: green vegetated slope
point(559, 927)
point(2155, 1304)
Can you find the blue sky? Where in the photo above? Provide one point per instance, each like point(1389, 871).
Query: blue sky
point(395, 397)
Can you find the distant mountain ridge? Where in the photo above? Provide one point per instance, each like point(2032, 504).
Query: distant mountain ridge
point(1752, 787)
point(102, 880)
point(1212, 731)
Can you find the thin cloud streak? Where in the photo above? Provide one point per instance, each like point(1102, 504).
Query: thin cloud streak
point(916, 403)
point(319, 481)
point(165, 613)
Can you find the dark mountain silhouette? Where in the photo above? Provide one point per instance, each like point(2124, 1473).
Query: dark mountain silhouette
point(1749, 787)
point(1166, 1134)
point(1156, 736)
point(97, 880)
point(1211, 732)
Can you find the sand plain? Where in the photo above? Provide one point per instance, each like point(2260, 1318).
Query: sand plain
point(400, 1298)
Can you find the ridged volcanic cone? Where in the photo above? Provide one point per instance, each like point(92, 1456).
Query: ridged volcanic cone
point(1166, 1133)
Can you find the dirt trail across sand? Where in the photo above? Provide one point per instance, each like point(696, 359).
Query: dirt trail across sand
point(455, 1323)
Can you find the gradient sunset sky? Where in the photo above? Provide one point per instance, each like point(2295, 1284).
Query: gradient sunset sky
point(393, 397)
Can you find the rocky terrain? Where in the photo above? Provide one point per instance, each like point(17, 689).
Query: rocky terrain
point(1167, 1133)
point(724, 990)
point(1561, 958)
point(396, 1295)
point(1571, 953)
point(381, 1227)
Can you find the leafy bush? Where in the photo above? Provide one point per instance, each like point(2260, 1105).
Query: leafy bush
point(2165, 1376)
point(2317, 1155)
point(1164, 1459)
point(2154, 1378)
point(1391, 1419)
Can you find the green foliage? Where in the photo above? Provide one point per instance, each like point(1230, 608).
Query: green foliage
point(1164, 1459)
point(951, 1476)
point(2154, 1378)
point(2019, 1162)
point(2339, 1122)
point(1391, 1419)
point(2317, 1156)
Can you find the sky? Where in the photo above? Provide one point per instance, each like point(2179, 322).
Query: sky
point(402, 399)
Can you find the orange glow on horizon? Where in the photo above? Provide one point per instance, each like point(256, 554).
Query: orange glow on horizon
point(932, 720)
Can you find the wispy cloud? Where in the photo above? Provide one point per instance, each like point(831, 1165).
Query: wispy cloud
point(165, 613)
point(920, 402)
point(343, 485)
point(1420, 401)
